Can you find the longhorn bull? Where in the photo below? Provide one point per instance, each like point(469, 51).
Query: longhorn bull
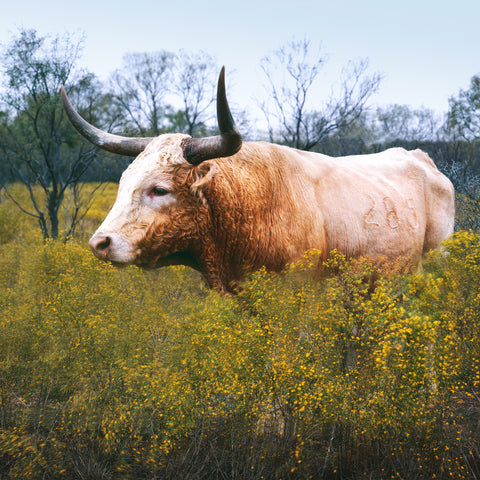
point(226, 207)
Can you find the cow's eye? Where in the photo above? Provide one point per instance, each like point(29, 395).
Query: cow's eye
point(158, 192)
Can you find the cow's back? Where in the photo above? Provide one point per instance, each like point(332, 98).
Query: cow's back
point(391, 204)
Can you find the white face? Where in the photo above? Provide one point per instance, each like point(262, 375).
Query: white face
point(146, 192)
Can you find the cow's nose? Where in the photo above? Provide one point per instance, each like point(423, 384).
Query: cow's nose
point(100, 245)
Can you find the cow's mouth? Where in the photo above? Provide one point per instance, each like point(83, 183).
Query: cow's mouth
point(178, 258)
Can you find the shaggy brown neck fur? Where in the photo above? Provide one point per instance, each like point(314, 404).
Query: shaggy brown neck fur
point(252, 216)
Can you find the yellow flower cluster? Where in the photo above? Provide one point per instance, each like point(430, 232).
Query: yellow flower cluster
point(109, 373)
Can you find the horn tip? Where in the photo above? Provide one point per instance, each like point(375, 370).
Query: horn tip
point(63, 95)
point(221, 77)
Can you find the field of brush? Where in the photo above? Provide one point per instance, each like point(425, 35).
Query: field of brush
point(125, 374)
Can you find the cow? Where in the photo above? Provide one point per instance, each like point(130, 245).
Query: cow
point(226, 207)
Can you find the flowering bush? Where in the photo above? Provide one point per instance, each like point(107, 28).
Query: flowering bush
point(108, 373)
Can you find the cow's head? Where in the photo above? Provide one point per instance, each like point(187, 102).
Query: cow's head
point(159, 212)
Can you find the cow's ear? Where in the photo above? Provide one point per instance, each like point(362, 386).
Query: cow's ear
point(201, 176)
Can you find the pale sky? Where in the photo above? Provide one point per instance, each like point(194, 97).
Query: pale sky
point(426, 49)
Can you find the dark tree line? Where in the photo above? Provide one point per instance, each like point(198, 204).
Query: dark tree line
point(163, 92)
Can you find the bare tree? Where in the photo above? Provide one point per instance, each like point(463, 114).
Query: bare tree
point(38, 145)
point(195, 81)
point(291, 73)
point(139, 89)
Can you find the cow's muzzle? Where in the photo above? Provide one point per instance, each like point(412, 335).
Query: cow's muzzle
point(101, 245)
point(113, 247)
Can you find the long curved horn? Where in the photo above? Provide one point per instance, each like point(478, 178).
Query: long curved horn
point(229, 142)
point(128, 146)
